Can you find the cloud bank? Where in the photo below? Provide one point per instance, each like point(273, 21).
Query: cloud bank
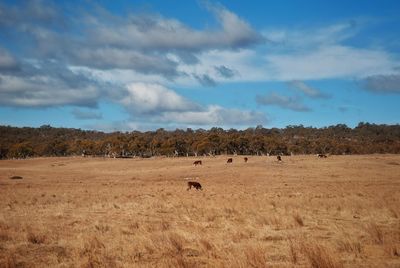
point(58, 56)
point(157, 104)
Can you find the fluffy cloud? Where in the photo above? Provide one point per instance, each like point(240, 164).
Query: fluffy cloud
point(147, 98)
point(47, 84)
point(147, 45)
point(157, 33)
point(150, 45)
point(139, 42)
point(155, 104)
point(134, 60)
point(44, 91)
point(215, 115)
point(285, 102)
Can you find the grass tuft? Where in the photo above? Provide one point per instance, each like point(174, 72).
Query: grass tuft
point(298, 219)
point(318, 256)
point(36, 238)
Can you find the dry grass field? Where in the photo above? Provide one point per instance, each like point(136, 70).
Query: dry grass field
point(340, 211)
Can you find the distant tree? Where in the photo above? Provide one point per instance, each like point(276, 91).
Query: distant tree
point(365, 138)
point(20, 150)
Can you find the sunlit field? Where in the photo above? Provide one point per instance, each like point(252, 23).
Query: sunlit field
point(340, 211)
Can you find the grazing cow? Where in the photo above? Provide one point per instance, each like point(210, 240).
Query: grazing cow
point(194, 184)
point(197, 162)
point(246, 159)
point(230, 160)
point(279, 158)
point(322, 156)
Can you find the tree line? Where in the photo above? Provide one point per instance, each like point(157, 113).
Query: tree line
point(365, 138)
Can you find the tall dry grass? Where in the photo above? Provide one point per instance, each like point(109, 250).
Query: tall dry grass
point(340, 212)
point(319, 256)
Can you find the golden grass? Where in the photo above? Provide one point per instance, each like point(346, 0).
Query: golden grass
point(318, 256)
point(342, 211)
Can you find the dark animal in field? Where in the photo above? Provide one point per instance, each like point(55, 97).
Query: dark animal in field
point(197, 162)
point(230, 160)
point(246, 159)
point(16, 178)
point(279, 158)
point(194, 184)
point(322, 156)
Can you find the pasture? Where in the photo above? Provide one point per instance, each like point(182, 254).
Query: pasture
point(340, 211)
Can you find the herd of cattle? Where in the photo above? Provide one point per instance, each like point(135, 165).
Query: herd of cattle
point(197, 185)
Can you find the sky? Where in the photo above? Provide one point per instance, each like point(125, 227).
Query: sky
point(144, 65)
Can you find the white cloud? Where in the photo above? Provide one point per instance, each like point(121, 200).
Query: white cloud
point(334, 61)
point(98, 39)
point(303, 54)
point(247, 63)
point(122, 76)
point(154, 98)
point(155, 104)
point(156, 49)
point(45, 91)
point(140, 57)
point(215, 115)
point(166, 34)
point(321, 53)
point(324, 62)
point(208, 116)
point(116, 58)
point(122, 125)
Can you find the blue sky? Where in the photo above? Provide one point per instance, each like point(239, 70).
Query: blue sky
point(144, 65)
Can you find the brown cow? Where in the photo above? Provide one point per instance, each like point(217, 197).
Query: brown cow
point(230, 160)
point(279, 158)
point(197, 162)
point(194, 184)
point(246, 159)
